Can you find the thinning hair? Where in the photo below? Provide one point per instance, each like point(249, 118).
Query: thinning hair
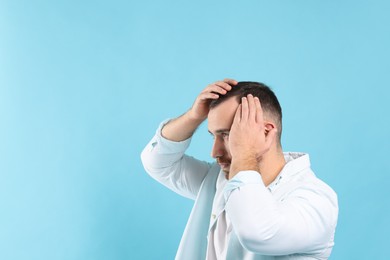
point(269, 101)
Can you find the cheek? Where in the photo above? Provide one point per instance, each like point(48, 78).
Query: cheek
point(226, 145)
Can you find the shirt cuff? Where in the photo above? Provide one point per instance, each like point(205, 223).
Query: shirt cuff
point(242, 178)
point(167, 146)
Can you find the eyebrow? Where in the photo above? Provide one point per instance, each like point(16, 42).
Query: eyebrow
point(220, 131)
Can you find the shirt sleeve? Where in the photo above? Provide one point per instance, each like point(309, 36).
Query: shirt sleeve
point(303, 222)
point(165, 161)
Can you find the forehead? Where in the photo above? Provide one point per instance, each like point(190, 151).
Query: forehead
point(221, 116)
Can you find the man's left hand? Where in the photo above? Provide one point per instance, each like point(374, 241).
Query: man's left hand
point(250, 136)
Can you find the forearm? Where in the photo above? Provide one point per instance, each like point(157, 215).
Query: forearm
point(243, 163)
point(165, 161)
point(181, 128)
point(301, 222)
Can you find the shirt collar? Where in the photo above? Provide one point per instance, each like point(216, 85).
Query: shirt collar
point(295, 162)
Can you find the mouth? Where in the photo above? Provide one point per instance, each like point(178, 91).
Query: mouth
point(224, 165)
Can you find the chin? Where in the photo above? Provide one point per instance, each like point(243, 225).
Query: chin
point(226, 174)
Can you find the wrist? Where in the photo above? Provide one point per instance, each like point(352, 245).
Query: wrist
point(193, 117)
point(247, 163)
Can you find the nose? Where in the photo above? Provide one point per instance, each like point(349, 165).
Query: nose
point(218, 149)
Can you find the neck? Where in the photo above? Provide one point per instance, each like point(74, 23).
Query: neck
point(271, 165)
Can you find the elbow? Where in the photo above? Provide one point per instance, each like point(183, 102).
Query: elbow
point(148, 156)
point(258, 239)
point(143, 157)
point(148, 161)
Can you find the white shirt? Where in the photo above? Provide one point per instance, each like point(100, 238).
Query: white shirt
point(292, 180)
point(220, 225)
point(293, 218)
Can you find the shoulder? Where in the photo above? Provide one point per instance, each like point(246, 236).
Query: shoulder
point(311, 194)
point(298, 177)
point(305, 183)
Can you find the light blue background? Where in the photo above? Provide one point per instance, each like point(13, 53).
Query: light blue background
point(84, 84)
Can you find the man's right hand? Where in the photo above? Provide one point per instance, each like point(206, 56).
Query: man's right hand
point(200, 108)
point(183, 127)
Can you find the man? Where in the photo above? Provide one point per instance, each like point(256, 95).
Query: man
point(255, 202)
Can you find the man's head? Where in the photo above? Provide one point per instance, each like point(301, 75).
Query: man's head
point(223, 109)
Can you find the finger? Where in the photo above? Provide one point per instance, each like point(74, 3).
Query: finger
point(208, 95)
point(244, 108)
point(251, 108)
point(216, 89)
point(259, 111)
point(237, 116)
point(223, 85)
point(231, 81)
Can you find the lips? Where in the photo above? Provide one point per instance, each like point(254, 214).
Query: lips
point(224, 164)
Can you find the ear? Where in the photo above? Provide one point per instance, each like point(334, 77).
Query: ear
point(268, 126)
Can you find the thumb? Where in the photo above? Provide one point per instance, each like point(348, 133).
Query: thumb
point(237, 116)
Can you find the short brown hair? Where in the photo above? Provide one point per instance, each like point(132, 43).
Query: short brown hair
point(269, 101)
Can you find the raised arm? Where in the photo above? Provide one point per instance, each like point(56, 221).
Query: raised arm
point(164, 157)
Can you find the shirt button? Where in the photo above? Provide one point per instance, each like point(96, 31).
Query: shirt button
point(213, 216)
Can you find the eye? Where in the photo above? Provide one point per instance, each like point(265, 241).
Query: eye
point(225, 135)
